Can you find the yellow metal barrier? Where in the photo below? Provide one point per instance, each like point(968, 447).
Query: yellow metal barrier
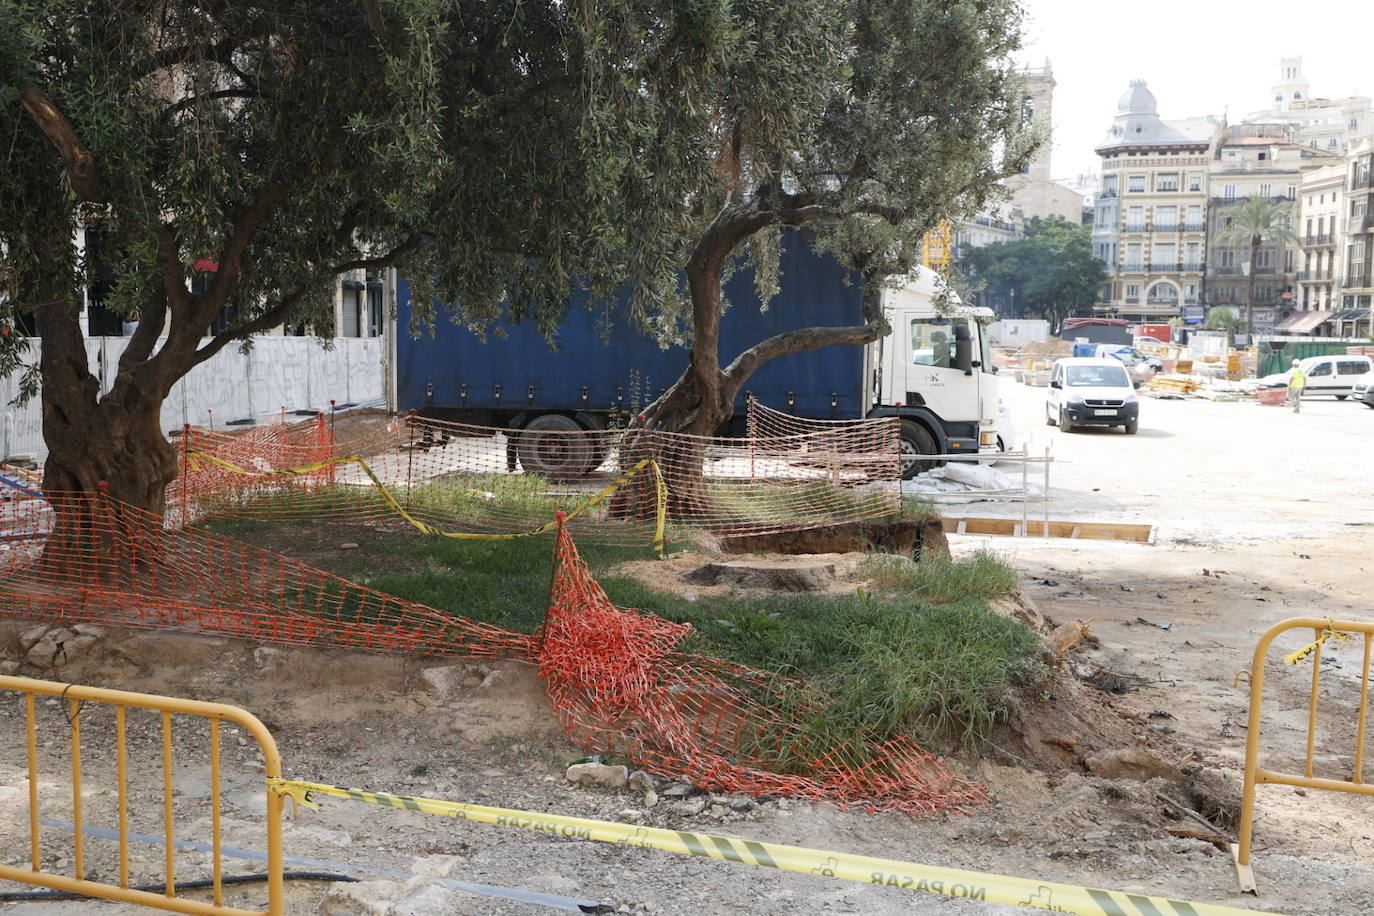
point(1323, 630)
point(77, 698)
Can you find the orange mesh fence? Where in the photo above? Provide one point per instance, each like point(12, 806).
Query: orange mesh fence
point(466, 479)
point(621, 684)
point(617, 677)
point(78, 558)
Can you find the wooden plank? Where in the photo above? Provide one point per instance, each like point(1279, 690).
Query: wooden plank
point(1007, 527)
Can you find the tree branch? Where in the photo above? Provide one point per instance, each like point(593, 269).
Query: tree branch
point(231, 257)
point(264, 322)
point(380, 261)
point(797, 342)
point(81, 167)
point(209, 96)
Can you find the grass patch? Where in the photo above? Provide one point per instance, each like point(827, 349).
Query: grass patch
point(941, 580)
point(917, 654)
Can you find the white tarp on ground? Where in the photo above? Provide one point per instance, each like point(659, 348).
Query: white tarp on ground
point(967, 483)
point(279, 373)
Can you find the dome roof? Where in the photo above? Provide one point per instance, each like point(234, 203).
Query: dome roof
point(1137, 100)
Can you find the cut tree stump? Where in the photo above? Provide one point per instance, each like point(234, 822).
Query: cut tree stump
point(776, 576)
point(909, 537)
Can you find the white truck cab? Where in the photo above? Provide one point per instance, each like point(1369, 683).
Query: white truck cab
point(934, 372)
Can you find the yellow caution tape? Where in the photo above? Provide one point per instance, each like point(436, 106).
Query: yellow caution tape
point(660, 509)
point(951, 882)
point(1294, 658)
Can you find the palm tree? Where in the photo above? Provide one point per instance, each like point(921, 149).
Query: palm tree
point(1257, 221)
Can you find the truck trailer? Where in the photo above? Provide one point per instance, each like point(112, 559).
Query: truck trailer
point(933, 371)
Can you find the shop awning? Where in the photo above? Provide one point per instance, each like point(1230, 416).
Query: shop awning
point(1353, 315)
point(1303, 322)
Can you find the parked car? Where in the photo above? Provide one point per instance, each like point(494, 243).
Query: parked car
point(1131, 357)
point(1362, 389)
point(1092, 392)
point(1326, 375)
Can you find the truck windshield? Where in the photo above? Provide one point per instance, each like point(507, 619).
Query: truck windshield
point(1097, 377)
point(932, 342)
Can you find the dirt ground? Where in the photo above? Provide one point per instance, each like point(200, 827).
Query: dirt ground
point(1260, 516)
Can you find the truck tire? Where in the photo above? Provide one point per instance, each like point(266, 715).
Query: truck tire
point(916, 440)
point(555, 446)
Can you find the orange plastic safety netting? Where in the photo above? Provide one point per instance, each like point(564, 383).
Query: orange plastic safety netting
point(80, 558)
point(466, 479)
point(617, 677)
point(621, 684)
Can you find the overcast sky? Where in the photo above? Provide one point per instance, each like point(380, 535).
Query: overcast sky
point(1199, 57)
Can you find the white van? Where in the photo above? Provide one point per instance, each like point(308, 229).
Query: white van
point(1092, 392)
point(1329, 375)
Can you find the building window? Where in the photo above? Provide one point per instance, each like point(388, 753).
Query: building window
point(1228, 191)
point(350, 312)
point(1226, 257)
point(1166, 219)
point(1292, 192)
point(1132, 292)
point(1288, 261)
point(1193, 251)
point(1135, 219)
point(1194, 182)
point(1264, 190)
point(1133, 256)
point(1264, 257)
point(1136, 184)
point(1166, 182)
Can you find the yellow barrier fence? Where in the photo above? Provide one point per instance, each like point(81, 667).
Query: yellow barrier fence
point(78, 700)
point(1323, 631)
point(949, 882)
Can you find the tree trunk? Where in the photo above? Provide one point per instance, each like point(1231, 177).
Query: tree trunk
point(703, 398)
point(1250, 294)
point(103, 454)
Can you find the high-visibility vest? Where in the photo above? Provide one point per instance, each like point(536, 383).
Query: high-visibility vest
point(1297, 379)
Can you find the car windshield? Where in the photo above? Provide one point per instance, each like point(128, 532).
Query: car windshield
point(1097, 377)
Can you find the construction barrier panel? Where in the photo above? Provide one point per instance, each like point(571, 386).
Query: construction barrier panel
point(1324, 630)
point(79, 708)
point(949, 882)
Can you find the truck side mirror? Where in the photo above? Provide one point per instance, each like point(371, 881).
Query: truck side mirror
point(1056, 384)
point(963, 349)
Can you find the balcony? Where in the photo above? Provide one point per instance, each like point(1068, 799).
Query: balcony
point(1195, 227)
point(1194, 267)
point(1230, 271)
point(1313, 276)
point(1106, 194)
point(1132, 300)
point(1135, 227)
point(1316, 241)
point(1357, 281)
point(1164, 267)
point(1266, 269)
point(1166, 227)
point(1170, 302)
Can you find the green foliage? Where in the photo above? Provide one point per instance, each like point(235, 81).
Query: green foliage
point(1222, 319)
point(1052, 272)
point(941, 580)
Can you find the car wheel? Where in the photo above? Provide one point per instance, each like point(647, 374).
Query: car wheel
point(556, 446)
point(1369, 404)
point(1131, 427)
point(916, 441)
point(1341, 397)
point(1064, 422)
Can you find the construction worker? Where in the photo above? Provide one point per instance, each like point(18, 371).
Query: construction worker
point(1297, 381)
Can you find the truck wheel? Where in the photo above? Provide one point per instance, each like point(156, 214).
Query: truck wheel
point(916, 440)
point(555, 446)
point(1341, 397)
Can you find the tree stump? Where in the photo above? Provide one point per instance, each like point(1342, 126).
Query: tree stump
point(774, 575)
